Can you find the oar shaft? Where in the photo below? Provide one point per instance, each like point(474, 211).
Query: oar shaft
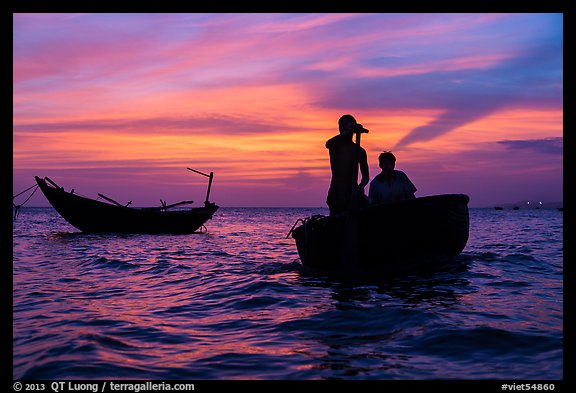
point(201, 173)
point(211, 176)
point(110, 200)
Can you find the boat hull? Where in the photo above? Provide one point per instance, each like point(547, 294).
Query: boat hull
point(89, 215)
point(399, 236)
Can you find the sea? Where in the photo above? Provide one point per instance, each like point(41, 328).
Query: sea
point(234, 302)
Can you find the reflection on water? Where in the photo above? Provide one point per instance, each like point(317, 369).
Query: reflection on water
point(235, 303)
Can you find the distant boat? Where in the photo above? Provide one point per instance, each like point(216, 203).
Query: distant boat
point(90, 215)
point(515, 208)
point(498, 208)
point(400, 236)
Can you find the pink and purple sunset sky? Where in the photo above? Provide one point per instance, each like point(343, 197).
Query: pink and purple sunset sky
point(122, 104)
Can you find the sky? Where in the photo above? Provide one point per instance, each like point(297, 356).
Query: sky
point(122, 104)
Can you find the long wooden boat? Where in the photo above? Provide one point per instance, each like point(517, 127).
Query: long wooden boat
point(400, 236)
point(90, 215)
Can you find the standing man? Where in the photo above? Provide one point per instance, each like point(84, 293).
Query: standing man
point(345, 157)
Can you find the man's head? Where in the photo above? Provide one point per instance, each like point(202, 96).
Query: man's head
point(387, 159)
point(346, 124)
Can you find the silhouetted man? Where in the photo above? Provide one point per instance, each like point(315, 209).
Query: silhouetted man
point(390, 185)
point(345, 156)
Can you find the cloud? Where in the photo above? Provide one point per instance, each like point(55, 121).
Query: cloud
point(532, 79)
point(546, 145)
point(260, 92)
point(227, 125)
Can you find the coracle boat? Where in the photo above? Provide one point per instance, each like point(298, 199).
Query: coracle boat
point(90, 215)
point(401, 236)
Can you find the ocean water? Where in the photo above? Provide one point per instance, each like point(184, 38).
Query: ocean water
point(235, 303)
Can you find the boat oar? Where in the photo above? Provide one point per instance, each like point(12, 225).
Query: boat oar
point(350, 243)
point(113, 201)
point(166, 207)
point(210, 178)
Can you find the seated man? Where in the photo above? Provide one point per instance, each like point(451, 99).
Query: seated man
point(390, 185)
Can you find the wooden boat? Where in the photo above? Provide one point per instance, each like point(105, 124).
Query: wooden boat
point(90, 215)
point(400, 236)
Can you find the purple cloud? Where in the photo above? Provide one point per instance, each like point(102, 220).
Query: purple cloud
point(530, 80)
point(546, 145)
point(228, 125)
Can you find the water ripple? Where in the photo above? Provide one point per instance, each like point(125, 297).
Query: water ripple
point(235, 303)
